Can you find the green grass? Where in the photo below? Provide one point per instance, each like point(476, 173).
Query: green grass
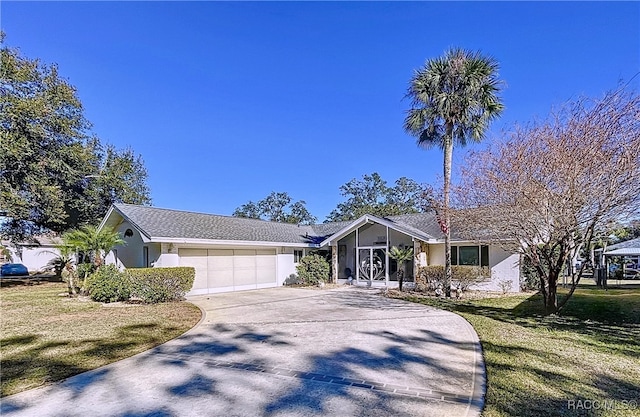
point(46, 337)
point(537, 364)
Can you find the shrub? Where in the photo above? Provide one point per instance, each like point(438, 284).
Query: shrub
point(505, 286)
point(466, 276)
point(529, 278)
point(430, 278)
point(157, 285)
point(313, 269)
point(108, 285)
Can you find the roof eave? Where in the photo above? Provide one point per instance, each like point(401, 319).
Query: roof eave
point(226, 242)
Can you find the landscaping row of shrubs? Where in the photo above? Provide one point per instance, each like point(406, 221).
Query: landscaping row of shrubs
point(149, 285)
point(431, 278)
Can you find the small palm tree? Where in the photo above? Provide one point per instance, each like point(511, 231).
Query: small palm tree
point(63, 266)
point(401, 256)
point(5, 253)
point(93, 242)
point(454, 98)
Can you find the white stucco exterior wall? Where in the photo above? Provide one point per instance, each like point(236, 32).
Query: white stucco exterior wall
point(284, 266)
point(35, 258)
point(505, 267)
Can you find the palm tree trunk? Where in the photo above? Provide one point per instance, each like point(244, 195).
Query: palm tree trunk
point(448, 154)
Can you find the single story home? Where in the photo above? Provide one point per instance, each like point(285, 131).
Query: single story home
point(233, 254)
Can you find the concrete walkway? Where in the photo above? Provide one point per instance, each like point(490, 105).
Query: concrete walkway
point(287, 352)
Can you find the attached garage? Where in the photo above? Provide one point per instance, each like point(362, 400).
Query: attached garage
point(223, 270)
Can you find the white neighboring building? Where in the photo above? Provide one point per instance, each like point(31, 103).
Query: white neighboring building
point(34, 255)
point(233, 254)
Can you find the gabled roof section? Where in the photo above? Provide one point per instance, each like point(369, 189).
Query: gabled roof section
point(399, 223)
point(163, 224)
point(626, 248)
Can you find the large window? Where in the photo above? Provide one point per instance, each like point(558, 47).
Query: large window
point(470, 255)
point(297, 255)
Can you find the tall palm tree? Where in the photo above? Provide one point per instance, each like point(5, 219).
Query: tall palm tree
point(401, 256)
point(454, 98)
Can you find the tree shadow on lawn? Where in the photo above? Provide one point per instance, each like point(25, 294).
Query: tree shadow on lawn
point(588, 321)
point(607, 325)
point(35, 361)
point(562, 391)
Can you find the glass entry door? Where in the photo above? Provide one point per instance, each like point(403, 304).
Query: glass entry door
point(372, 264)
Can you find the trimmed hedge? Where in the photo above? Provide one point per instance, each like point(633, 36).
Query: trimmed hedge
point(313, 269)
point(431, 277)
point(109, 285)
point(157, 285)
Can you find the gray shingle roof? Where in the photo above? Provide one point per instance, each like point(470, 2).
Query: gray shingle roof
point(633, 243)
point(166, 223)
point(157, 222)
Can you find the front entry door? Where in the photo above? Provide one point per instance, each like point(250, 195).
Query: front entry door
point(372, 264)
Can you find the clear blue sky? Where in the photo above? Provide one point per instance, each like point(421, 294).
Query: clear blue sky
point(228, 101)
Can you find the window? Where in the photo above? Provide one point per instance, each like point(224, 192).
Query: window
point(470, 255)
point(297, 255)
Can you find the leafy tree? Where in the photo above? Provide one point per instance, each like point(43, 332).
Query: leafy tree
point(454, 98)
point(299, 214)
point(54, 173)
point(401, 256)
point(276, 207)
point(407, 196)
point(121, 179)
point(249, 210)
point(273, 206)
point(371, 195)
point(554, 187)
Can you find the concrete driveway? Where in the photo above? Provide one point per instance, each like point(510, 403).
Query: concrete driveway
point(287, 352)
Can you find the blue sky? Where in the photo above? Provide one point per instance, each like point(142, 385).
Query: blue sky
point(228, 101)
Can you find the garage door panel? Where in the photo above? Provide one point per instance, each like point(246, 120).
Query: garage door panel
point(266, 267)
point(220, 268)
point(244, 268)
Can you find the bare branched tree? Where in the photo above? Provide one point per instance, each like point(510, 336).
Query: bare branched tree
point(549, 188)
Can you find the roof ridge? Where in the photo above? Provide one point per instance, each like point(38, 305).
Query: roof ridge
point(210, 214)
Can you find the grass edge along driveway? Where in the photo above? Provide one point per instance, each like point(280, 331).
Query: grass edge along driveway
point(46, 337)
point(583, 362)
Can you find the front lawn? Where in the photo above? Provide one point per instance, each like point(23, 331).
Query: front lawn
point(46, 337)
point(584, 362)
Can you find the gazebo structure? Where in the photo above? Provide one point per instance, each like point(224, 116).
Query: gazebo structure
point(629, 251)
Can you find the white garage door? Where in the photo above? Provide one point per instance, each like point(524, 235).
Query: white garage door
point(223, 270)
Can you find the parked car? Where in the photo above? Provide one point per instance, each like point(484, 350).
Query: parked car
point(7, 270)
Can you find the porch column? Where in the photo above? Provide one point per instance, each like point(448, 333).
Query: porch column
point(357, 257)
point(386, 261)
point(334, 261)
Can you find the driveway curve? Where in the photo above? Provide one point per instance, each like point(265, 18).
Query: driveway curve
point(287, 352)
